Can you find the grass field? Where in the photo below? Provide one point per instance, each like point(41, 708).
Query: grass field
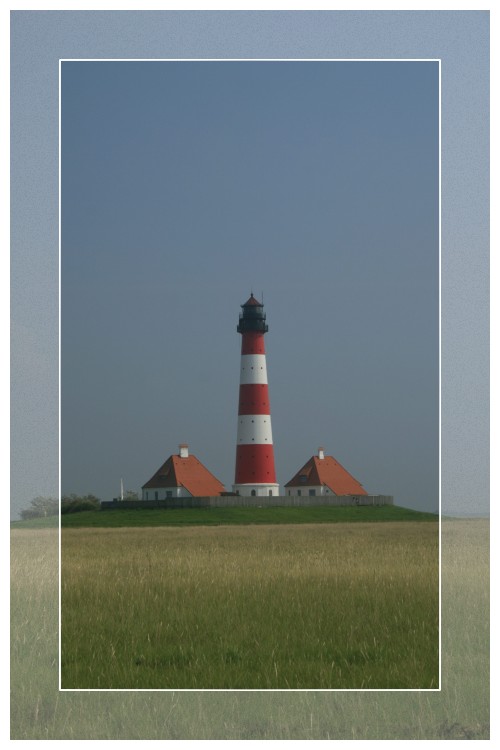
point(460, 710)
point(48, 522)
point(224, 516)
point(263, 607)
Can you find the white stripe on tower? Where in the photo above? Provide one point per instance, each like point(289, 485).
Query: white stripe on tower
point(253, 369)
point(254, 428)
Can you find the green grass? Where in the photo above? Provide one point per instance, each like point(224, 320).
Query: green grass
point(460, 710)
point(48, 522)
point(230, 516)
point(308, 606)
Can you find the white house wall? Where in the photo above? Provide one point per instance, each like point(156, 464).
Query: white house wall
point(149, 494)
point(303, 490)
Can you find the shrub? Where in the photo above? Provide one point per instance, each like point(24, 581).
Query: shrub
point(41, 507)
point(76, 504)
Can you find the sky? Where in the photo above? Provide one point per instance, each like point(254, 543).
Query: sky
point(187, 185)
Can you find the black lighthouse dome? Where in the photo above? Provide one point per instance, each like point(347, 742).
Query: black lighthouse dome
point(253, 317)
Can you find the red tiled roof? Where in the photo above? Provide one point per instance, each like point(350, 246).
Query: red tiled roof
point(327, 471)
point(252, 301)
point(186, 472)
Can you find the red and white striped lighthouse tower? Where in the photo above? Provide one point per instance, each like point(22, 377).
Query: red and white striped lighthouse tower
point(255, 473)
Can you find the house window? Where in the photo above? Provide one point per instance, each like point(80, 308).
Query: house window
point(270, 493)
point(253, 493)
point(299, 492)
point(303, 478)
point(168, 493)
point(312, 492)
point(156, 496)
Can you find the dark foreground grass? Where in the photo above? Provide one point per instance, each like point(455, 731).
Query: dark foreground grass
point(235, 516)
point(311, 606)
point(460, 710)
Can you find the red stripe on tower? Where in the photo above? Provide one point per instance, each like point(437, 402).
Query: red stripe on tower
point(255, 473)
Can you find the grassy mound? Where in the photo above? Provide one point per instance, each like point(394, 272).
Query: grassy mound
point(241, 515)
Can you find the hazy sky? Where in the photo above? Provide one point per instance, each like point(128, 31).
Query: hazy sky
point(185, 185)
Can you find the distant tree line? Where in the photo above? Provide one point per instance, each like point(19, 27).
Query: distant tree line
point(130, 495)
point(41, 507)
point(78, 503)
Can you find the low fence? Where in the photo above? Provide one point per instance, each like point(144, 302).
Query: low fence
point(235, 501)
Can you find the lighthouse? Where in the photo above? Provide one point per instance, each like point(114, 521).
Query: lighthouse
point(255, 474)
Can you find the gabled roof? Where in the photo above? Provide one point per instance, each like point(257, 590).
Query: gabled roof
point(327, 471)
point(186, 472)
point(252, 301)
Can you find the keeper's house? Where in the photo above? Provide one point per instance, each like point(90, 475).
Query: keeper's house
point(181, 476)
point(323, 475)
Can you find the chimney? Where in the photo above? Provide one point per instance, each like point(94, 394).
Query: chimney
point(183, 450)
point(321, 453)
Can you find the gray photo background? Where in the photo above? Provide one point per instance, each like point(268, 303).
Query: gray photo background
point(407, 465)
point(461, 40)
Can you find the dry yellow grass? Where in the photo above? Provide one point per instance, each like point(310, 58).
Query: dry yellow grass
point(268, 607)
